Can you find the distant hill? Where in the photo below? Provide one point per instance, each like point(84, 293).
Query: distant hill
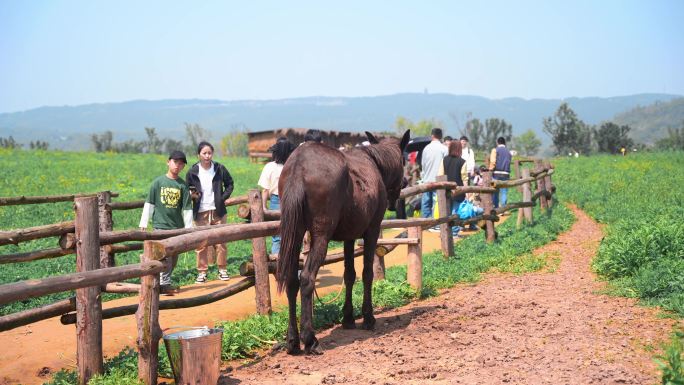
point(69, 127)
point(649, 123)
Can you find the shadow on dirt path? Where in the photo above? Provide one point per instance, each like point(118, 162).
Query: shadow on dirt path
point(548, 327)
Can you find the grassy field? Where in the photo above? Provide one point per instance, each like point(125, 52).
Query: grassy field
point(56, 173)
point(640, 199)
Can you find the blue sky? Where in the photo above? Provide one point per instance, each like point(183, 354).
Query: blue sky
point(77, 52)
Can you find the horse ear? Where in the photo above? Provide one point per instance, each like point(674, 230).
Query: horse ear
point(371, 138)
point(404, 140)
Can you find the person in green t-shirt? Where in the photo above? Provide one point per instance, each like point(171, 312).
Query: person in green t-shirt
point(168, 205)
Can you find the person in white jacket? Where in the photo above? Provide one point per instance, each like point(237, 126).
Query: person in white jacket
point(169, 206)
point(469, 156)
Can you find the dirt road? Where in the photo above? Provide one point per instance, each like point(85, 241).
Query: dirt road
point(549, 327)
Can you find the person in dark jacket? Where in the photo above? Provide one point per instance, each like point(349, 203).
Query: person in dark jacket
point(455, 169)
point(211, 185)
point(500, 163)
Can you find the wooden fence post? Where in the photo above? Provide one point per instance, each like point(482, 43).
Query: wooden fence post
point(445, 234)
point(106, 224)
point(547, 183)
point(527, 195)
point(541, 186)
point(517, 172)
point(88, 304)
point(147, 318)
point(415, 259)
point(379, 262)
point(260, 257)
point(488, 206)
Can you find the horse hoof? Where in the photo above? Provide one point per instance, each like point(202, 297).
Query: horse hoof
point(293, 349)
point(349, 325)
point(314, 349)
point(368, 324)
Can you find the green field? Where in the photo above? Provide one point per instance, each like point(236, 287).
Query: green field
point(56, 173)
point(640, 199)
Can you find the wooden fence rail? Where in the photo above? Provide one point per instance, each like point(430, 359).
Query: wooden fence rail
point(27, 200)
point(19, 291)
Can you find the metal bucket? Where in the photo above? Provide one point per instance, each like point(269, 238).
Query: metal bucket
point(195, 355)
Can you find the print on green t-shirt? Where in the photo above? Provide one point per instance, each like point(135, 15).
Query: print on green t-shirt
point(169, 197)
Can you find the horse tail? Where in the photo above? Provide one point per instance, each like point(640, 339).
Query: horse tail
point(293, 199)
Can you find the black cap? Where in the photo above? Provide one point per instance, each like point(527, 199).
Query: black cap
point(178, 155)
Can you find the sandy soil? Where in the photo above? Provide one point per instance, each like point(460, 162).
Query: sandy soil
point(549, 327)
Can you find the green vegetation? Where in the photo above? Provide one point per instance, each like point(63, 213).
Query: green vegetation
point(512, 252)
point(483, 136)
point(610, 138)
point(568, 133)
point(642, 255)
point(639, 198)
point(673, 141)
point(670, 362)
point(420, 128)
point(56, 173)
point(527, 144)
point(650, 123)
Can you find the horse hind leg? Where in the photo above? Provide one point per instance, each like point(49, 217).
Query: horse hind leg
point(349, 279)
point(292, 332)
point(319, 246)
point(370, 241)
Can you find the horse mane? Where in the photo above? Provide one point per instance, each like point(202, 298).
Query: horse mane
point(379, 154)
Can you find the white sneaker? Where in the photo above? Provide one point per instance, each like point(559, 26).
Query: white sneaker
point(201, 278)
point(223, 275)
point(434, 229)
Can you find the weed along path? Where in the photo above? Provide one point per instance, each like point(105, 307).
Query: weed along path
point(548, 327)
point(32, 353)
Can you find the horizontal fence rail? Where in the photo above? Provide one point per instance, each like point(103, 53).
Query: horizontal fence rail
point(27, 200)
point(19, 291)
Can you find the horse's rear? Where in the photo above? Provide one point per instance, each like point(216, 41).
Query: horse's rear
point(333, 195)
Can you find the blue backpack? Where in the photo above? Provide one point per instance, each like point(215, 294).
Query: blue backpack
point(466, 210)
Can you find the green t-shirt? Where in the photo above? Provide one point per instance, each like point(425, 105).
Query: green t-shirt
point(169, 198)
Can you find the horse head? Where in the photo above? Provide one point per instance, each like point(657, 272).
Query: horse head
point(390, 161)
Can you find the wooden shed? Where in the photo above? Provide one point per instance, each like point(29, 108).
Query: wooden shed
point(259, 142)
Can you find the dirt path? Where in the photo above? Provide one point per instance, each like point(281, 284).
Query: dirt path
point(550, 327)
point(31, 354)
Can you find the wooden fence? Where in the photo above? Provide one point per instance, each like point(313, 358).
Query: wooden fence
point(91, 237)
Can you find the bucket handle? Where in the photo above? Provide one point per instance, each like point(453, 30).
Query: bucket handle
point(185, 327)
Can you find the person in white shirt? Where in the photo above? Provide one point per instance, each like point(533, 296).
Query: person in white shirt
point(268, 180)
point(469, 156)
point(212, 185)
point(432, 157)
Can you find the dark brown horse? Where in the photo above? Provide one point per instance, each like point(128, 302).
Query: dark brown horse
point(335, 195)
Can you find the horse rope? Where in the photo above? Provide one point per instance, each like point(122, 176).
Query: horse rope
point(332, 300)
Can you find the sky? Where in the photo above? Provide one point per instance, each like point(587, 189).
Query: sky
point(55, 53)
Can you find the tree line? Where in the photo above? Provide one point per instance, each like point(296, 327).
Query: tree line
point(233, 144)
point(568, 133)
point(10, 143)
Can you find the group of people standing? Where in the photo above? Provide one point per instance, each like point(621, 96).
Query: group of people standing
point(200, 200)
point(456, 160)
